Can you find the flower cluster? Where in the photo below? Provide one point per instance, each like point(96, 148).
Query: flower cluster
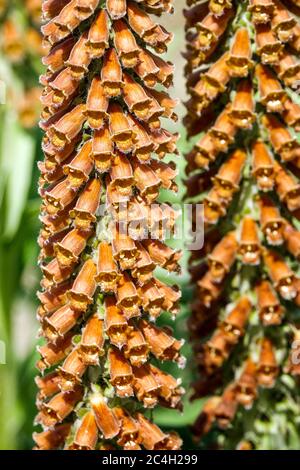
point(21, 47)
point(243, 77)
point(100, 298)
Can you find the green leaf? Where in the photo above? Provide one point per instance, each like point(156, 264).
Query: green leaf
point(171, 418)
point(17, 157)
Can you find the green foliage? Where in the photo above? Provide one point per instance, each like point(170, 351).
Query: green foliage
point(18, 251)
point(18, 254)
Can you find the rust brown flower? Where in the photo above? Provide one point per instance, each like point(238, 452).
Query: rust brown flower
point(267, 368)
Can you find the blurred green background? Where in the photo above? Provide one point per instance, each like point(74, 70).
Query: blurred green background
point(19, 152)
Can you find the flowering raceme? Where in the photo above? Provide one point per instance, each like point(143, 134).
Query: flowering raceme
point(243, 75)
point(99, 297)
